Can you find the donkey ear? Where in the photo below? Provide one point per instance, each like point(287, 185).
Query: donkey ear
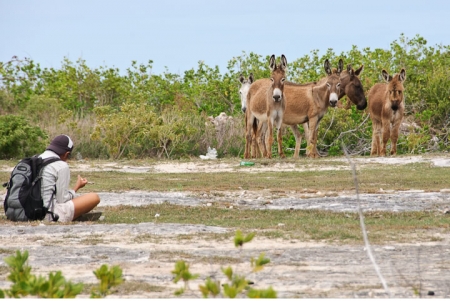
point(251, 78)
point(349, 68)
point(241, 78)
point(359, 70)
point(326, 66)
point(340, 66)
point(272, 63)
point(283, 64)
point(402, 75)
point(386, 76)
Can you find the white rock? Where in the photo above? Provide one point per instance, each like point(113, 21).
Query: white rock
point(389, 248)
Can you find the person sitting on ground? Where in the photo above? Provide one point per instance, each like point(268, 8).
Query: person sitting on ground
point(55, 184)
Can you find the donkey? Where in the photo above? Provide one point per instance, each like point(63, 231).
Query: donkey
point(305, 103)
point(386, 108)
point(265, 102)
point(352, 87)
point(243, 90)
point(308, 103)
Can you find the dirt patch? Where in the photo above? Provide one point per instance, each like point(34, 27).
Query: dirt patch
point(147, 252)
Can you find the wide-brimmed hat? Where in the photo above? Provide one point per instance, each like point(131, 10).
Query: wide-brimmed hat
point(61, 144)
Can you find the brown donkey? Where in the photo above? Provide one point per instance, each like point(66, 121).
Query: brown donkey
point(386, 107)
point(350, 86)
point(305, 103)
point(308, 103)
point(265, 103)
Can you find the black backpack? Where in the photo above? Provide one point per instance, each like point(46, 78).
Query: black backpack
point(23, 201)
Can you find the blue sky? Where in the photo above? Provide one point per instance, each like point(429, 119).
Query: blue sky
point(178, 33)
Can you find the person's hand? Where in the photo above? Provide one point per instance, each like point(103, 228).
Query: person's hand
point(81, 182)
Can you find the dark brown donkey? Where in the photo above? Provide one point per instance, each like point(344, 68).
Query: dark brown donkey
point(386, 107)
point(265, 102)
point(352, 87)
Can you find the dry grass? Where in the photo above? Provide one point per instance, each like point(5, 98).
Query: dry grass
point(371, 178)
point(341, 228)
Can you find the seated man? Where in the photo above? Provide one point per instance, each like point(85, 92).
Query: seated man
point(57, 196)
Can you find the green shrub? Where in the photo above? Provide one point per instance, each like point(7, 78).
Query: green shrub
point(19, 139)
point(125, 132)
point(25, 284)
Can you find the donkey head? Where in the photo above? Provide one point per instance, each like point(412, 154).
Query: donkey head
point(395, 87)
point(243, 90)
point(333, 81)
point(277, 76)
point(352, 87)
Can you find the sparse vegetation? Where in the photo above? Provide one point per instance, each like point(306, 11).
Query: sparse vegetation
point(237, 284)
point(103, 111)
point(25, 284)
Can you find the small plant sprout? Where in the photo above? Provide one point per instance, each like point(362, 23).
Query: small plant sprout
point(235, 286)
point(239, 239)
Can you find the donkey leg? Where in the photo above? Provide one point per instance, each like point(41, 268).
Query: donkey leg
point(394, 136)
point(249, 120)
point(263, 138)
point(269, 139)
point(255, 148)
point(386, 129)
point(298, 139)
point(256, 152)
point(280, 141)
point(313, 127)
point(248, 142)
point(260, 138)
point(306, 130)
point(376, 136)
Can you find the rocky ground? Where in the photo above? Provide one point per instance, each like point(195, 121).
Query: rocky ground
point(147, 252)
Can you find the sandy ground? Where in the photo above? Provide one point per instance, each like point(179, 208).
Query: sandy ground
point(147, 252)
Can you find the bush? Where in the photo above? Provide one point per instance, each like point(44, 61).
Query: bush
point(19, 139)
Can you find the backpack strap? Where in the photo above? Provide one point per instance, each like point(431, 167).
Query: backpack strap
point(46, 162)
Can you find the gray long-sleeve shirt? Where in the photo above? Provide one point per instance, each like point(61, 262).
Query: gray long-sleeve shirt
point(56, 174)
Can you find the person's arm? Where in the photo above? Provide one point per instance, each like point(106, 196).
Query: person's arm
point(81, 182)
point(63, 193)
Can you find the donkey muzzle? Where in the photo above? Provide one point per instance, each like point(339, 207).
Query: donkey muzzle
point(333, 99)
point(395, 105)
point(277, 95)
point(277, 98)
point(361, 106)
